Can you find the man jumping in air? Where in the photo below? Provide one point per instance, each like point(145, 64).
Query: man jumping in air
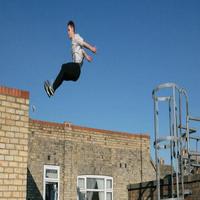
point(71, 71)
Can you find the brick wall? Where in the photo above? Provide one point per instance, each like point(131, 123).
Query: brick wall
point(86, 151)
point(147, 190)
point(14, 128)
point(27, 145)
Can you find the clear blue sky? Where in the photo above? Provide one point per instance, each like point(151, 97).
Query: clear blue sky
point(140, 44)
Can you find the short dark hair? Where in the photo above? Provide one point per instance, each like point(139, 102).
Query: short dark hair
point(71, 23)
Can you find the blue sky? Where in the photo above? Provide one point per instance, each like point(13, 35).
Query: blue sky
point(140, 45)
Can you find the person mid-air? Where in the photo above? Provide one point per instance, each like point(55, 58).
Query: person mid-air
point(71, 71)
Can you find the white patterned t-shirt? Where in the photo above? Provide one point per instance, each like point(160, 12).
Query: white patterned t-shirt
point(77, 49)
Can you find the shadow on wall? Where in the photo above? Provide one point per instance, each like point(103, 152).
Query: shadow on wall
point(33, 192)
point(148, 191)
point(143, 191)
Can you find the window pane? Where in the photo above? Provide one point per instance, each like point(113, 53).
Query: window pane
point(81, 183)
point(95, 183)
point(108, 196)
point(52, 173)
point(109, 184)
point(81, 195)
point(95, 195)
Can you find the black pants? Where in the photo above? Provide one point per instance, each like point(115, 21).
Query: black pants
point(69, 72)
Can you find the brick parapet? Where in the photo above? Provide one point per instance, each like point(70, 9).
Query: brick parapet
point(67, 125)
point(14, 92)
point(68, 131)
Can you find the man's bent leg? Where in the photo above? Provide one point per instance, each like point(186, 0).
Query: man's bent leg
point(69, 72)
point(59, 79)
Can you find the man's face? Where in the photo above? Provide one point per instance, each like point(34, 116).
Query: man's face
point(70, 32)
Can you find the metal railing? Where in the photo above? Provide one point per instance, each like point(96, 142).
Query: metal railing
point(178, 140)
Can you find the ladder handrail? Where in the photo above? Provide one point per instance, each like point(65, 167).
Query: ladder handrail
point(174, 141)
point(165, 85)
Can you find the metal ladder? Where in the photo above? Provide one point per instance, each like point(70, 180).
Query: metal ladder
point(193, 155)
point(178, 140)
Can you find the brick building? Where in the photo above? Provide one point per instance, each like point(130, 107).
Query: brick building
point(14, 132)
point(46, 160)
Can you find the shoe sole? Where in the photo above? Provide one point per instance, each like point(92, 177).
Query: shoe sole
point(46, 88)
point(49, 87)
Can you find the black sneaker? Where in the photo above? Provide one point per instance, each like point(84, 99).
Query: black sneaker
point(51, 90)
point(46, 87)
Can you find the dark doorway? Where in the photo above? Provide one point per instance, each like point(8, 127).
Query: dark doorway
point(51, 191)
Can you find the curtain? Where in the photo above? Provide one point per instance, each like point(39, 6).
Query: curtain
point(101, 195)
point(100, 184)
point(55, 191)
point(91, 182)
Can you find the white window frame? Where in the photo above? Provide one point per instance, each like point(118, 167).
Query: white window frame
point(52, 180)
point(105, 190)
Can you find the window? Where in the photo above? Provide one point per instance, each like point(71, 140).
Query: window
point(51, 182)
point(94, 187)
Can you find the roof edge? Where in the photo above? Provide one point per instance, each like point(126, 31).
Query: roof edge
point(88, 129)
point(14, 92)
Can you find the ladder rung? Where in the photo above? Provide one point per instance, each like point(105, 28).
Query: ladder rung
point(194, 118)
point(195, 164)
point(167, 138)
point(194, 153)
point(195, 137)
point(164, 146)
point(167, 98)
point(191, 130)
point(175, 198)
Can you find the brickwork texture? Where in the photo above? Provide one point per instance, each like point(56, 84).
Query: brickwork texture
point(14, 129)
point(85, 151)
point(26, 145)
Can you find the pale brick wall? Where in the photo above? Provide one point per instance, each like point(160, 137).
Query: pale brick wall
point(14, 128)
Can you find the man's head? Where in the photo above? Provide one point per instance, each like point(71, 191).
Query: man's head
point(71, 29)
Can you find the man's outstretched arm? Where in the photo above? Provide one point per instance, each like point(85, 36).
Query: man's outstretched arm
point(90, 47)
point(88, 58)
